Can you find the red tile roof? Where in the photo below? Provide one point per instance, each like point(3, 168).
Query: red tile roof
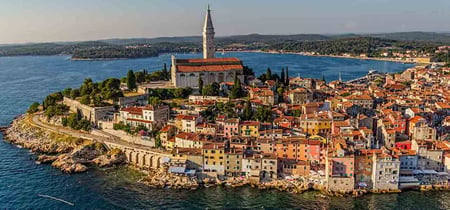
point(209, 68)
point(208, 60)
point(210, 64)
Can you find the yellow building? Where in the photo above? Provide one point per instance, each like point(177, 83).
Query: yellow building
point(316, 124)
point(170, 144)
point(213, 158)
point(192, 157)
point(249, 129)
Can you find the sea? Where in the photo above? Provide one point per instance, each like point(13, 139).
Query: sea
point(26, 79)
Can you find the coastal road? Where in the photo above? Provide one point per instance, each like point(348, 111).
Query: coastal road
point(78, 134)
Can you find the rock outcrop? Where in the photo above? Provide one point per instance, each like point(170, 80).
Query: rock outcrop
point(163, 179)
point(71, 155)
point(112, 157)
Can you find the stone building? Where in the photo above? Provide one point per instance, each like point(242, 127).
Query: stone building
point(186, 72)
point(385, 172)
point(94, 114)
point(300, 96)
point(339, 172)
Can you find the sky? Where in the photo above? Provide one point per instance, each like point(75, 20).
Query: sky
point(23, 21)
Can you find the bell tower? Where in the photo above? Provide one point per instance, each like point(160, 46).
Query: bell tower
point(208, 36)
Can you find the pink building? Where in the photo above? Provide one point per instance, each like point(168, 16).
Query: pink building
point(314, 151)
point(231, 128)
point(341, 166)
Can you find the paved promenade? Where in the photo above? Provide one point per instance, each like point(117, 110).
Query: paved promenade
point(78, 134)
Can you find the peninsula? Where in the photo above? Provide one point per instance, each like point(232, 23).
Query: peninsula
point(212, 121)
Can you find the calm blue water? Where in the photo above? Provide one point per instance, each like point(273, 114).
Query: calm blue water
point(27, 79)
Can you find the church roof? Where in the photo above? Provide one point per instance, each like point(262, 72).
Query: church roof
point(210, 64)
point(208, 21)
point(207, 60)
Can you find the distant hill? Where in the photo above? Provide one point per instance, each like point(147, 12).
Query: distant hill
point(135, 41)
point(415, 36)
point(301, 42)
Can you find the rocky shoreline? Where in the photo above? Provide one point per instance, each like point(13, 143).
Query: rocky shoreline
point(75, 155)
point(69, 154)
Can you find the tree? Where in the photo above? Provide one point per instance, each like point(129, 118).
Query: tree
point(97, 100)
point(165, 72)
point(268, 74)
point(247, 113)
point(34, 107)
point(51, 99)
point(131, 80)
point(280, 92)
point(211, 90)
point(286, 80)
point(140, 76)
point(153, 100)
point(87, 87)
point(66, 92)
point(86, 100)
point(237, 91)
point(282, 76)
point(263, 114)
point(74, 93)
point(200, 84)
point(323, 79)
point(158, 142)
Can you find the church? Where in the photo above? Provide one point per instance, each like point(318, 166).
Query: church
point(186, 72)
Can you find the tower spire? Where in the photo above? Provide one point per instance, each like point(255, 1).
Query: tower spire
point(208, 36)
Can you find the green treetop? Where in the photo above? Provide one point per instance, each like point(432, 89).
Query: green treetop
point(131, 80)
point(282, 76)
point(200, 84)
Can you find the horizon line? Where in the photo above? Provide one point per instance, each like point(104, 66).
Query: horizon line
point(221, 36)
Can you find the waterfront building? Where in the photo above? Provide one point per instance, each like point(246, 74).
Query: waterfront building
point(385, 172)
point(430, 154)
point(339, 172)
point(233, 162)
point(364, 167)
point(295, 168)
point(213, 158)
point(260, 166)
point(193, 157)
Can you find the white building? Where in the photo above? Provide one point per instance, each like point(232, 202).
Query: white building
point(151, 117)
